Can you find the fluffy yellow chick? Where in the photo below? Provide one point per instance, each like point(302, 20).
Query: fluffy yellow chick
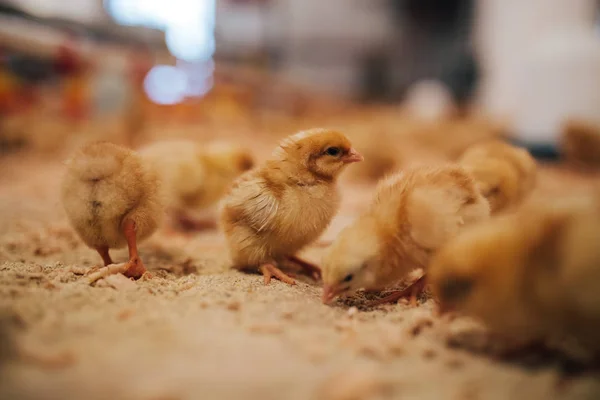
point(112, 199)
point(530, 275)
point(581, 143)
point(413, 214)
point(275, 210)
point(505, 174)
point(195, 176)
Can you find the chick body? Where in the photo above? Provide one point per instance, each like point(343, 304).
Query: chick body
point(104, 186)
point(531, 275)
point(414, 213)
point(195, 176)
point(274, 211)
point(504, 174)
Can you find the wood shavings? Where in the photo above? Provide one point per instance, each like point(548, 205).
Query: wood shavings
point(120, 282)
point(78, 270)
point(58, 360)
point(419, 325)
point(106, 271)
point(429, 354)
point(125, 314)
point(272, 329)
point(373, 350)
point(358, 384)
point(234, 306)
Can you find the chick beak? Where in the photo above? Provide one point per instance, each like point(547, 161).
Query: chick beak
point(329, 293)
point(352, 156)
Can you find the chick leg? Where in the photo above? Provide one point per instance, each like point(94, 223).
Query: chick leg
point(135, 268)
point(311, 269)
point(412, 291)
point(271, 271)
point(103, 251)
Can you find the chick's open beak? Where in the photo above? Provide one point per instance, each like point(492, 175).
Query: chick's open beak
point(330, 292)
point(352, 156)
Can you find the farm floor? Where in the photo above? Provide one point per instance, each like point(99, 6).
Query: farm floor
point(198, 330)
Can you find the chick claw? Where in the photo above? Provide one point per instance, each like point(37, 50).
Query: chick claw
point(269, 271)
point(311, 269)
point(412, 291)
point(135, 268)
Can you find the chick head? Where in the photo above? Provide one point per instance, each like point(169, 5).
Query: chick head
point(229, 159)
point(478, 273)
point(497, 181)
point(351, 261)
point(323, 152)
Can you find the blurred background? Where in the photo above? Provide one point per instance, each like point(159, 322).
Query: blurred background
point(126, 67)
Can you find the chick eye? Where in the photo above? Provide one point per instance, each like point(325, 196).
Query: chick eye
point(348, 278)
point(333, 151)
point(455, 288)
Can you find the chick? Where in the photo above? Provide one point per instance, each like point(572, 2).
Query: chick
point(275, 210)
point(529, 276)
point(413, 214)
point(504, 174)
point(195, 176)
point(581, 143)
point(112, 199)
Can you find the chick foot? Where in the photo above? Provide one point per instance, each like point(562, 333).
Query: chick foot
point(412, 291)
point(135, 267)
point(271, 271)
point(311, 269)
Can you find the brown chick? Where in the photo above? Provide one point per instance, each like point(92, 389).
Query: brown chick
point(195, 177)
point(414, 213)
point(529, 276)
point(581, 143)
point(112, 199)
point(504, 174)
point(275, 210)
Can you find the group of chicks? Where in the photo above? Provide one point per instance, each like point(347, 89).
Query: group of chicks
point(520, 266)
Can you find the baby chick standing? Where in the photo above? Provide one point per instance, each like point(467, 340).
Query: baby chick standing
point(504, 174)
point(112, 199)
point(413, 214)
point(529, 276)
point(195, 177)
point(274, 211)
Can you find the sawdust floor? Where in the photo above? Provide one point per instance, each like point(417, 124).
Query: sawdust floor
point(197, 330)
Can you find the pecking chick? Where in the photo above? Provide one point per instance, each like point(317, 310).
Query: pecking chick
point(195, 176)
point(529, 276)
point(275, 210)
point(504, 174)
point(414, 213)
point(581, 143)
point(112, 199)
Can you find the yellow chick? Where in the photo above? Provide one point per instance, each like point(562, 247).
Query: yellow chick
point(112, 199)
point(195, 176)
point(529, 276)
point(581, 143)
point(413, 214)
point(504, 174)
point(277, 209)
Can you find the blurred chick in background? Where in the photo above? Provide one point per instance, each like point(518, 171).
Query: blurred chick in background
point(581, 143)
point(413, 214)
point(195, 176)
point(505, 174)
point(274, 211)
point(530, 275)
point(112, 199)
